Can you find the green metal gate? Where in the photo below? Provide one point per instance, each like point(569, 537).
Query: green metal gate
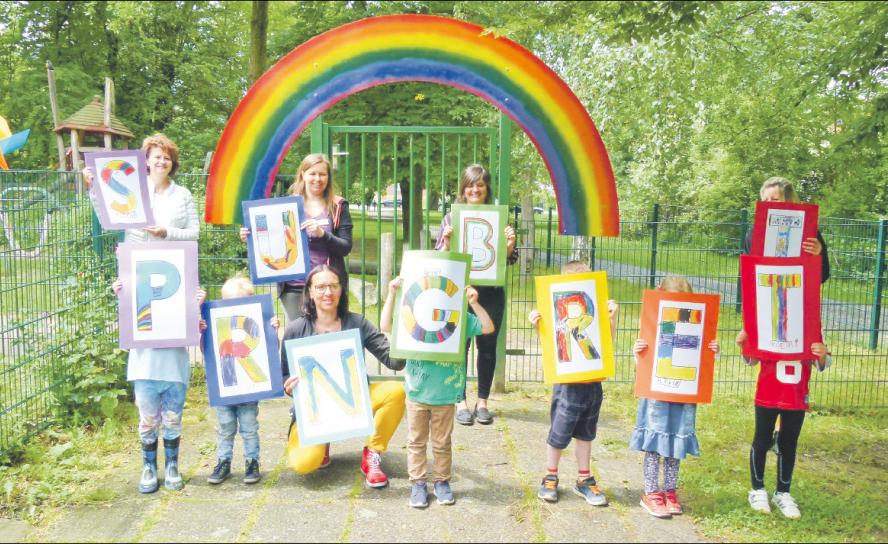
point(422, 166)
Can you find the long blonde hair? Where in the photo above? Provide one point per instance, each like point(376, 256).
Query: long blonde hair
point(298, 186)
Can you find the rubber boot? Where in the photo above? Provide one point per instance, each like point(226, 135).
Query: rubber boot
point(172, 480)
point(148, 483)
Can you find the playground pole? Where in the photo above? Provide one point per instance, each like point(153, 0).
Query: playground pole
point(53, 102)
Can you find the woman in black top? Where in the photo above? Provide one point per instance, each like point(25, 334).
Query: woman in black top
point(326, 310)
point(474, 188)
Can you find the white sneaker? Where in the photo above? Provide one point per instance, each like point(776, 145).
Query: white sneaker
point(787, 505)
point(758, 500)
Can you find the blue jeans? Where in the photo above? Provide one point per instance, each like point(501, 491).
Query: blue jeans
point(229, 417)
point(159, 402)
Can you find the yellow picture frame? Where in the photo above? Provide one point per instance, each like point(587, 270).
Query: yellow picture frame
point(576, 344)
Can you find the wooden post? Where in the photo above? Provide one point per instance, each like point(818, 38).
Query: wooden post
point(75, 159)
point(386, 261)
point(109, 98)
point(60, 142)
point(207, 162)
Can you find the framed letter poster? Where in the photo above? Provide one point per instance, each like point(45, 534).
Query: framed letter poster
point(158, 301)
point(678, 364)
point(478, 231)
point(331, 399)
point(277, 249)
point(781, 306)
point(574, 330)
point(430, 307)
point(241, 356)
point(780, 228)
point(120, 189)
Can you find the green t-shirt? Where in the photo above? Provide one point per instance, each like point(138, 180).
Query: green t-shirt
point(438, 384)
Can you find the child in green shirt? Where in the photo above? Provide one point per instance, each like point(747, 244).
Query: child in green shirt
point(433, 388)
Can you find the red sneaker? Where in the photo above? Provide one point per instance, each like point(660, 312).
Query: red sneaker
point(672, 503)
point(325, 462)
point(374, 475)
point(655, 504)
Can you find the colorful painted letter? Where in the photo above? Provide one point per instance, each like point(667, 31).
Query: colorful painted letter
point(157, 299)
point(332, 398)
point(430, 308)
point(780, 284)
point(155, 280)
point(277, 249)
point(575, 333)
point(316, 376)
point(449, 319)
point(112, 167)
point(476, 241)
point(668, 341)
point(229, 328)
point(291, 249)
point(781, 306)
point(576, 313)
point(678, 364)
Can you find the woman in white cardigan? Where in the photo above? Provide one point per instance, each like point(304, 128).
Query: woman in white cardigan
point(161, 376)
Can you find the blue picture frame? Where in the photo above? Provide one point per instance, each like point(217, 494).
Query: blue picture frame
point(229, 376)
point(263, 268)
point(344, 350)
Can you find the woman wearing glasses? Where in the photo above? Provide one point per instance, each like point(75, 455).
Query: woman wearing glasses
point(325, 310)
point(328, 225)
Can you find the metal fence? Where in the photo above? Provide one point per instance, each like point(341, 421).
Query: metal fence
point(50, 237)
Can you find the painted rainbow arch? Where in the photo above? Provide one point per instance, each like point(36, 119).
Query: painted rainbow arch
point(381, 50)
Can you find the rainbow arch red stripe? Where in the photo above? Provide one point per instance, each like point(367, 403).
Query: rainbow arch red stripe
point(382, 50)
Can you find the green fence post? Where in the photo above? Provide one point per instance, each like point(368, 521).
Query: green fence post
point(504, 169)
point(592, 253)
point(96, 235)
point(549, 240)
point(744, 227)
point(654, 224)
point(877, 288)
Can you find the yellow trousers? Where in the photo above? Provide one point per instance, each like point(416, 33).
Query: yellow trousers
point(387, 401)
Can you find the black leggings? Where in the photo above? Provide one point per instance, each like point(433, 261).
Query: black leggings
point(790, 427)
point(493, 300)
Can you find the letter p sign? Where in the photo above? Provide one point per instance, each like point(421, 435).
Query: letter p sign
point(155, 280)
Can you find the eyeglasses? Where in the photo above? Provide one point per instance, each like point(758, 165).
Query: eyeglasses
point(321, 289)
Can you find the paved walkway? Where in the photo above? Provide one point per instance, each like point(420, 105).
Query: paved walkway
point(497, 470)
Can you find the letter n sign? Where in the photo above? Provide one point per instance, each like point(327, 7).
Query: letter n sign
point(331, 398)
point(478, 231)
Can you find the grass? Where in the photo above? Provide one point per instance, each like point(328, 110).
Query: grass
point(60, 467)
point(840, 478)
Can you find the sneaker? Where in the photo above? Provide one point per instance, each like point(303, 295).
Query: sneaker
point(787, 505)
point(483, 416)
point(464, 417)
point(325, 462)
point(443, 492)
point(373, 474)
point(549, 488)
point(221, 472)
point(672, 503)
point(758, 500)
point(419, 495)
point(655, 504)
point(251, 472)
point(588, 489)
